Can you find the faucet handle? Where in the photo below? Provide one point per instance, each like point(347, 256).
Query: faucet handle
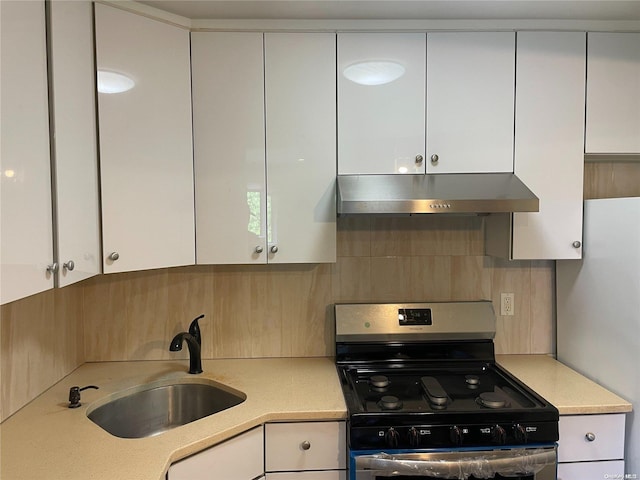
point(194, 329)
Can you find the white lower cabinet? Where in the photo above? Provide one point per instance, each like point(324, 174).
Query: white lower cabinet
point(321, 475)
point(316, 448)
point(241, 458)
point(591, 446)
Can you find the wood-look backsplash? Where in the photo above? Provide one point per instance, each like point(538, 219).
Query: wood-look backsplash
point(256, 311)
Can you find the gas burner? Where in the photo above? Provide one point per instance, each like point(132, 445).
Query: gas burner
point(472, 379)
point(491, 400)
point(389, 402)
point(379, 381)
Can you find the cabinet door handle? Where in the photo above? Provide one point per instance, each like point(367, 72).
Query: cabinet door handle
point(419, 159)
point(114, 256)
point(590, 436)
point(70, 265)
point(306, 445)
point(434, 159)
point(53, 268)
point(576, 244)
point(258, 249)
point(274, 249)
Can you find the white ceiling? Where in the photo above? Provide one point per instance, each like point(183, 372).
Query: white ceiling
point(403, 9)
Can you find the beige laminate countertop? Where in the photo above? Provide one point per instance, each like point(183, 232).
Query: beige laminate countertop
point(570, 392)
point(48, 441)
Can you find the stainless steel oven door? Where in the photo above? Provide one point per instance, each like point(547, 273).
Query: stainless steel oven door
point(507, 463)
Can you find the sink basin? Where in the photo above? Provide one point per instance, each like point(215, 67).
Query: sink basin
point(153, 409)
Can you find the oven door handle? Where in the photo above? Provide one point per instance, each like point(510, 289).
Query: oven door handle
point(461, 464)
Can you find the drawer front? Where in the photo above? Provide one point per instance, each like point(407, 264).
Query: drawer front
point(241, 458)
point(324, 475)
point(305, 446)
point(606, 433)
point(595, 470)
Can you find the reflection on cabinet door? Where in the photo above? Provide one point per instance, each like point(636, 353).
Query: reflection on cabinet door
point(228, 131)
point(300, 103)
point(146, 156)
point(613, 93)
point(381, 102)
point(470, 95)
point(75, 156)
point(25, 172)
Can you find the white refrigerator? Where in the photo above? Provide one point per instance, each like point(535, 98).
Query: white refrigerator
point(598, 308)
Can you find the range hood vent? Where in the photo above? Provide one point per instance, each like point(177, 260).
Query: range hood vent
point(458, 193)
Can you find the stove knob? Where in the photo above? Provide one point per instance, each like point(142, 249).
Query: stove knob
point(414, 437)
point(520, 434)
point(498, 435)
point(391, 438)
point(455, 434)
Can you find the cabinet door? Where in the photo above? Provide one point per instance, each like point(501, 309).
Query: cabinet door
point(613, 93)
point(74, 141)
point(470, 95)
point(381, 102)
point(300, 93)
point(228, 128)
point(145, 143)
point(241, 458)
point(548, 148)
point(25, 172)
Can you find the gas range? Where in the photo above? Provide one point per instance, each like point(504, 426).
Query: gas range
point(422, 377)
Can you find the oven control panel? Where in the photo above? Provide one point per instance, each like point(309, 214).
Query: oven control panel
point(452, 435)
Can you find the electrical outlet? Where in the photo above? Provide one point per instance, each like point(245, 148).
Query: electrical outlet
point(506, 304)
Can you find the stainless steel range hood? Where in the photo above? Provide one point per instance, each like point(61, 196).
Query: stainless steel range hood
point(476, 193)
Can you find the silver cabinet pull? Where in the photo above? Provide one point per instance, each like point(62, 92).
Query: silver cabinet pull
point(590, 436)
point(419, 159)
point(274, 249)
point(434, 158)
point(258, 249)
point(306, 445)
point(114, 256)
point(53, 268)
point(576, 244)
point(70, 265)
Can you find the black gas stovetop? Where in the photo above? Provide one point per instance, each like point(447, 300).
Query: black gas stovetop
point(431, 387)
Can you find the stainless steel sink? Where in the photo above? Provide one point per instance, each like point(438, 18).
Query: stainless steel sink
point(153, 409)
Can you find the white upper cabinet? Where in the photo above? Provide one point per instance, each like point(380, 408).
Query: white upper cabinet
point(264, 143)
point(416, 103)
point(470, 100)
point(548, 149)
point(145, 133)
point(613, 93)
point(300, 101)
point(228, 130)
point(74, 141)
point(381, 102)
point(25, 171)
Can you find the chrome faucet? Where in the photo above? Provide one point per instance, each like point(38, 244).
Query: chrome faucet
point(193, 339)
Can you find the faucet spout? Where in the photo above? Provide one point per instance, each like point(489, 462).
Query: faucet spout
point(193, 339)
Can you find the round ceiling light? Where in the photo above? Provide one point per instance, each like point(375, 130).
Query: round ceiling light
point(374, 72)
